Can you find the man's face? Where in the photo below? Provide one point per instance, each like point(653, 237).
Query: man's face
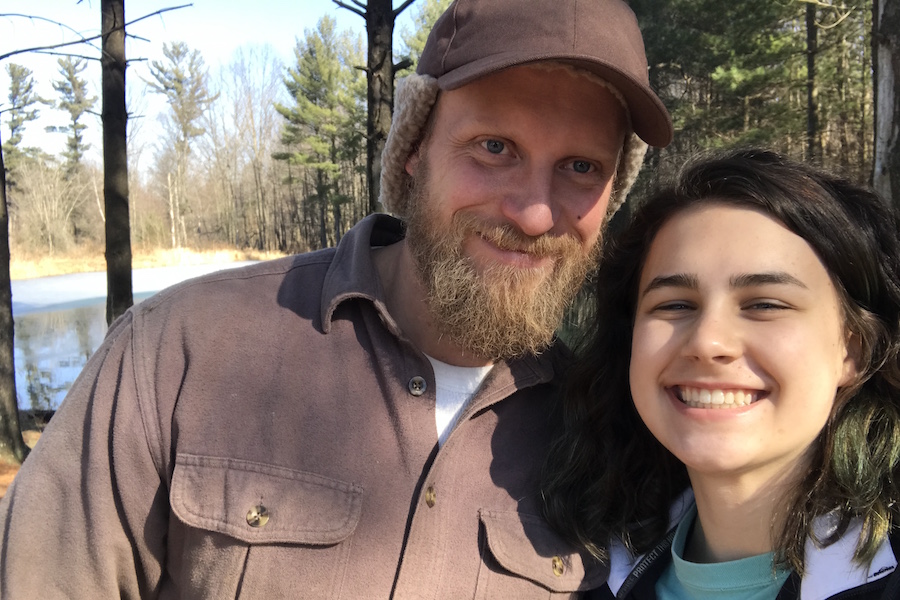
point(511, 189)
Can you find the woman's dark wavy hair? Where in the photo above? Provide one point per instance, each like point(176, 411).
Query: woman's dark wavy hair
point(607, 476)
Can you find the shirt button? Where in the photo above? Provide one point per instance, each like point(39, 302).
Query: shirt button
point(258, 516)
point(559, 567)
point(417, 386)
point(430, 496)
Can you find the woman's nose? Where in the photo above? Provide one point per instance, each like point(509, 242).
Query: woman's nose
point(713, 336)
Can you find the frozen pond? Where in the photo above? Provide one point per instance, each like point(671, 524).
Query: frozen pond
point(61, 320)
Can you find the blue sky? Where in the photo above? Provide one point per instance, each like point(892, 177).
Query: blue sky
point(217, 28)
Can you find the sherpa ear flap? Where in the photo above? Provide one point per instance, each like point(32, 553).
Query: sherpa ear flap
point(413, 98)
point(626, 174)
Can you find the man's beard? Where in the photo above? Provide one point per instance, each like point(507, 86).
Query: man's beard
point(504, 311)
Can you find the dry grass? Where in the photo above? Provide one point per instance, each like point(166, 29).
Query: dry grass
point(8, 472)
point(83, 260)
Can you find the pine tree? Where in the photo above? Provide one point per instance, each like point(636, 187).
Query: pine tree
point(22, 98)
point(184, 80)
point(324, 116)
point(74, 99)
point(729, 80)
point(736, 77)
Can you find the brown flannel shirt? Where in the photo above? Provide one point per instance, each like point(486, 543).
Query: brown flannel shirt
point(267, 432)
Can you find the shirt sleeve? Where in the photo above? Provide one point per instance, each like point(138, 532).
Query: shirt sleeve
point(86, 516)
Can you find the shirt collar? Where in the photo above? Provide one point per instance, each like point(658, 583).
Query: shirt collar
point(352, 274)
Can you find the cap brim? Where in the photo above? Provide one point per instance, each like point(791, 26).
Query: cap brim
point(649, 117)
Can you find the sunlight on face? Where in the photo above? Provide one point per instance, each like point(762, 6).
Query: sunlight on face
point(739, 343)
point(511, 189)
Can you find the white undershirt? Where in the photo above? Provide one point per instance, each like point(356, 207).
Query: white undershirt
point(455, 386)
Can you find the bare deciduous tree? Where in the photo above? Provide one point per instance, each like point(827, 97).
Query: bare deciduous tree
point(49, 202)
point(886, 59)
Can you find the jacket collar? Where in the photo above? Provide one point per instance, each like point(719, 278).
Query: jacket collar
point(829, 570)
point(625, 567)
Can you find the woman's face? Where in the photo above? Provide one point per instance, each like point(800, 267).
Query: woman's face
point(739, 343)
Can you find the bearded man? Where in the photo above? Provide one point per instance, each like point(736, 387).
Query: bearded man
point(367, 421)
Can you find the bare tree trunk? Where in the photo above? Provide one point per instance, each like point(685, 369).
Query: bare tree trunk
point(886, 57)
point(336, 215)
point(115, 161)
point(380, 69)
point(380, 95)
point(864, 134)
point(12, 447)
point(843, 84)
point(813, 150)
point(322, 198)
point(172, 221)
point(181, 198)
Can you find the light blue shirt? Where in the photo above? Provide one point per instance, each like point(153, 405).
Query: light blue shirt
point(746, 579)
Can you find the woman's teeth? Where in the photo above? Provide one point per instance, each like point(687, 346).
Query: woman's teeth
point(706, 398)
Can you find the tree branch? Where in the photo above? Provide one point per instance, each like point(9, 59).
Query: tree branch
point(822, 4)
point(404, 63)
point(39, 18)
point(83, 39)
point(840, 19)
point(66, 54)
point(350, 8)
point(401, 8)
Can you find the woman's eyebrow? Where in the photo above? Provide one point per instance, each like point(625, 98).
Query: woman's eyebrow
point(689, 281)
point(774, 277)
point(680, 280)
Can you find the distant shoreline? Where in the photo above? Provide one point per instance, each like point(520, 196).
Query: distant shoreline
point(72, 290)
point(91, 260)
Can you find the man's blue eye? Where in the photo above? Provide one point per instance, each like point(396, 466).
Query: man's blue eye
point(581, 166)
point(494, 146)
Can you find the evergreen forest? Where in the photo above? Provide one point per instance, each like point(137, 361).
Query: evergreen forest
point(271, 156)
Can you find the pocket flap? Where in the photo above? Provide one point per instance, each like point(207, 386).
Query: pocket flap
point(525, 545)
point(258, 503)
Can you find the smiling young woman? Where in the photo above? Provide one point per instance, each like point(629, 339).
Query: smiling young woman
point(732, 304)
point(734, 420)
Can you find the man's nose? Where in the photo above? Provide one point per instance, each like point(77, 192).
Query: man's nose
point(529, 202)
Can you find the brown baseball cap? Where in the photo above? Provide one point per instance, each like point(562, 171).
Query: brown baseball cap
point(474, 38)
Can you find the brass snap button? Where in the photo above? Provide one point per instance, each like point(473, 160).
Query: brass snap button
point(417, 385)
point(559, 567)
point(258, 516)
point(430, 496)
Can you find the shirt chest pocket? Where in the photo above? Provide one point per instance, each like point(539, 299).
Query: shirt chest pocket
point(249, 530)
point(522, 553)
